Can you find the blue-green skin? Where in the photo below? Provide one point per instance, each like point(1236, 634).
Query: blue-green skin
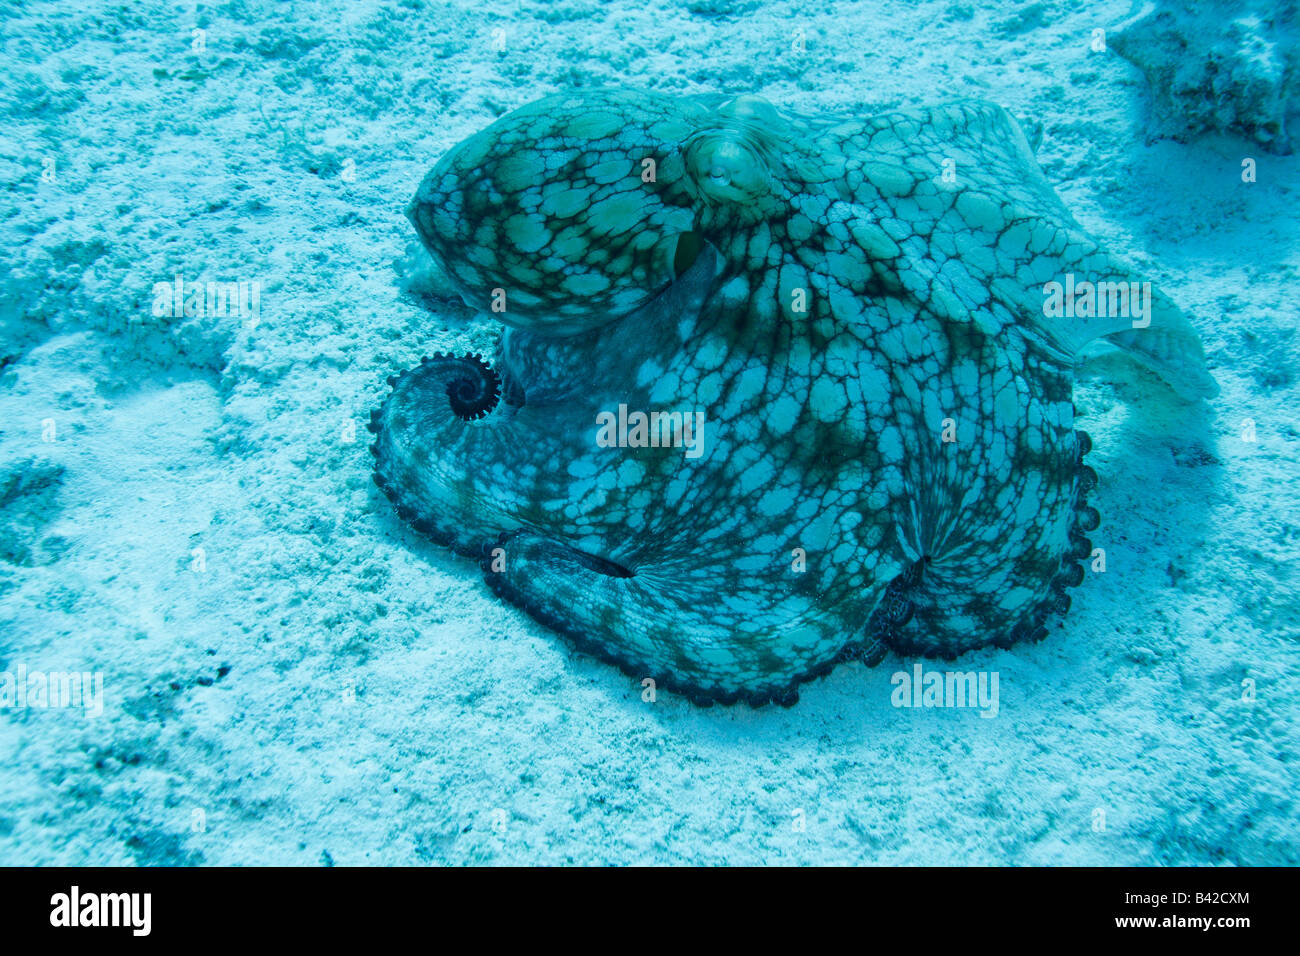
point(893, 466)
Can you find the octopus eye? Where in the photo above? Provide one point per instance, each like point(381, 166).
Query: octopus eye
point(728, 167)
point(473, 388)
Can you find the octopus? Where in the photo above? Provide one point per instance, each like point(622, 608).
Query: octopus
point(772, 391)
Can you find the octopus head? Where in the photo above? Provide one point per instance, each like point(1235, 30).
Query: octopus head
point(566, 214)
point(576, 211)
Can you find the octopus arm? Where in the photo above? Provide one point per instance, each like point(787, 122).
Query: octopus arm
point(683, 627)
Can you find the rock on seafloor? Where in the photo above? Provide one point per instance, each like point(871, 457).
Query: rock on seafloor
point(1218, 65)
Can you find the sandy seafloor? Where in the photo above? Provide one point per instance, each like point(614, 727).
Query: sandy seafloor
point(326, 687)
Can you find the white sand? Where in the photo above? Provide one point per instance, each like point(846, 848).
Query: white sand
point(323, 686)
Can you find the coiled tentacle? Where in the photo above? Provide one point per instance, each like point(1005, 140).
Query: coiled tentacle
point(473, 388)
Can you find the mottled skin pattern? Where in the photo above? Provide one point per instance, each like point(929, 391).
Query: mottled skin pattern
point(889, 456)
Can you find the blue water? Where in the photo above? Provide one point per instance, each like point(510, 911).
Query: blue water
point(262, 664)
